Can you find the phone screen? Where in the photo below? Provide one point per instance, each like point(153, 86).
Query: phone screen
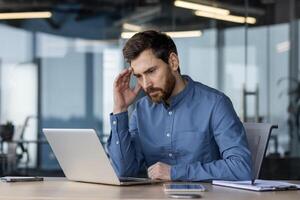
point(184, 187)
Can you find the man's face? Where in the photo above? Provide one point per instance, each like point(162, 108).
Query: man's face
point(154, 75)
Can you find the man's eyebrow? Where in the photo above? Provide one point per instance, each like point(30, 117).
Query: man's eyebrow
point(149, 69)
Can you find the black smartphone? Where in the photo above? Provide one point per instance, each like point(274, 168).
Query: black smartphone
point(185, 196)
point(21, 178)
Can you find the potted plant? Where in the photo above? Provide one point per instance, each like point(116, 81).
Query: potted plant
point(7, 131)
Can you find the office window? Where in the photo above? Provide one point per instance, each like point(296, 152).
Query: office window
point(279, 73)
point(198, 57)
point(18, 87)
point(15, 50)
point(112, 65)
point(234, 66)
point(76, 79)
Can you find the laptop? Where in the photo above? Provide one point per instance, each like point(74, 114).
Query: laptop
point(83, 158)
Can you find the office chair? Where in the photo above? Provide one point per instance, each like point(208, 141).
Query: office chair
point(258, 135)
point(13, 156)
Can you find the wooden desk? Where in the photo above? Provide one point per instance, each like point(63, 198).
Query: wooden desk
point(61, 189)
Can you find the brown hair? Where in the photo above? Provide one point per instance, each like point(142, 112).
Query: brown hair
point(161, 44)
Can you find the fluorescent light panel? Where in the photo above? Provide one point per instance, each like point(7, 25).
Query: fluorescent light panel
point(179, 34)
point(25, 15)
point(132, 27)
point(205, 8)
point(126, 35)
point(231, 18)
point(175, 34)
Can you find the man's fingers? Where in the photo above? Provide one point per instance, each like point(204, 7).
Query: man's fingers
point(155, 175)
point(124, 76)
point(151, 167)
point(159, 171)
point(152, 174)
point(149, 171)
point(125, 71)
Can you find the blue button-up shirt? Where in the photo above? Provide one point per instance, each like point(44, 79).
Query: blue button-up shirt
point(198, 134)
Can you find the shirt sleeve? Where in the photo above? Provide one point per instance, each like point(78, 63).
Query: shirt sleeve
point(123, 145)
point(229, 134)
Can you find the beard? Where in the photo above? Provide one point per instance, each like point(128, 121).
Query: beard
point(157, 95)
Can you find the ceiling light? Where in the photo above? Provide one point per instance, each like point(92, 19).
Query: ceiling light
point(132, 27)
point(174, 34)
point(181, 34)
point(196, 6)
point(231, 18)
point(283, 47)
point(127, 35)
point(25, 15)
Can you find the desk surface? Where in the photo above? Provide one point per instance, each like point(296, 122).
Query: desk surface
point(61, 189)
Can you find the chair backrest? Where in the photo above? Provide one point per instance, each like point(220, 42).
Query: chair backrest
point(258, 136)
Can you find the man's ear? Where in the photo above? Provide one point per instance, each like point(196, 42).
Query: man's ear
point(173, 61)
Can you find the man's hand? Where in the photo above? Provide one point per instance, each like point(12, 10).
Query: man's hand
point(160, 171)
point(123, 94)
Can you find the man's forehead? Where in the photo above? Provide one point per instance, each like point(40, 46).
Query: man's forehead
point(143, 63)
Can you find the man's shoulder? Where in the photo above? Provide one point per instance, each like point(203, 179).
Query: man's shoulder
point(207, 91)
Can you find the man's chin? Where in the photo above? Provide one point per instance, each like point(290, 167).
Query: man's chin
point(155, 99)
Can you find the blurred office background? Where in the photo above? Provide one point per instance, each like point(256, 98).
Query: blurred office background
point(57, 69)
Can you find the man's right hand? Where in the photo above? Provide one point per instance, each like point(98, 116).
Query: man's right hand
point(123, 94)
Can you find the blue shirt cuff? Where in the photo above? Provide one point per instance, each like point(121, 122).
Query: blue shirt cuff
point(119, 122)
point(178, 172)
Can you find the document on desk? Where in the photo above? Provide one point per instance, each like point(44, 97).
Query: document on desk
point(258, 185)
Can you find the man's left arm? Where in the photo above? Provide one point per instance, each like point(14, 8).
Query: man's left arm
point(235, 162)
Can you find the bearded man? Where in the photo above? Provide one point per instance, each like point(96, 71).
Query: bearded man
point(182, 129)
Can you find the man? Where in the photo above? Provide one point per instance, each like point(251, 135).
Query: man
point(182, 129)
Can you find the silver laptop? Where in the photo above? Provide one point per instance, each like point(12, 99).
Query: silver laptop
point(83, 158)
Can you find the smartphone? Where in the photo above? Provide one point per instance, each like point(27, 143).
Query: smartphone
point(21, 178)
point(185, 196)
point(183, 187)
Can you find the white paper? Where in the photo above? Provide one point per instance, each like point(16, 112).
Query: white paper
point(259, 185)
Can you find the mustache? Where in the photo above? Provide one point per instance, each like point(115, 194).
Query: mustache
point(153, 89)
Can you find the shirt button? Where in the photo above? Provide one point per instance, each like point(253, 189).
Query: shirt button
point(170, 112)
point(168, 134)
point(170, 155)
point(117, 142)
point(114, 122)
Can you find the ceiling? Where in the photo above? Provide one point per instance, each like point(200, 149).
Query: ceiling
point(103, 19)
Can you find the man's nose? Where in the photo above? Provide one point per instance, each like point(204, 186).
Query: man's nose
point(146, 83)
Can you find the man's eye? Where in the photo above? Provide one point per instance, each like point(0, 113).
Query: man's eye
point(152, 70)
